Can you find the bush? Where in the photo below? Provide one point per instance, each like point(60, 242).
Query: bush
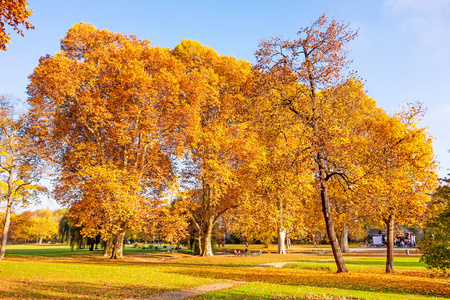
point(435, 246)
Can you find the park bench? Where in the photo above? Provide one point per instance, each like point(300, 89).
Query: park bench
point(248, 253)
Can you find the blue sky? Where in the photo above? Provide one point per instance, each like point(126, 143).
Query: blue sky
point(402, 52)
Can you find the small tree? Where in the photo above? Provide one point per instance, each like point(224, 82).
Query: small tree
point(20, 164)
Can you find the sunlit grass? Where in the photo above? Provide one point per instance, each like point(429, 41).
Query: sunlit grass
point(55, 272)
point(262, 290)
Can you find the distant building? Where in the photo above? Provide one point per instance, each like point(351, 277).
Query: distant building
point(402, 237)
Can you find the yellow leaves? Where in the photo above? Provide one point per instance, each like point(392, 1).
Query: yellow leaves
point(14, 13)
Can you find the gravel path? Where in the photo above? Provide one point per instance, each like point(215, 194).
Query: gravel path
point(185, 294)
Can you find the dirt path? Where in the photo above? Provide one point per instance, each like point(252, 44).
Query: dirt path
point(185, 294)
point(281, 264)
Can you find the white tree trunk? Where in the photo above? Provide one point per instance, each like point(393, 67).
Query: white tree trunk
point(281, 240)
point(5, 230)
point(206, 239)
point(343, 241)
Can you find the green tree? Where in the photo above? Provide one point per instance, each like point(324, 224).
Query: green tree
point(435, 246)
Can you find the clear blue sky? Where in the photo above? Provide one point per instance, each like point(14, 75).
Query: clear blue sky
point(402, 51)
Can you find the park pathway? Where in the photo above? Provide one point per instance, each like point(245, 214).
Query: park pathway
point(185, 294)
point(189, 293)
point(281, 264)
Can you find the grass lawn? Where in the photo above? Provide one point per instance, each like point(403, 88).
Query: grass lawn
point(55, 272)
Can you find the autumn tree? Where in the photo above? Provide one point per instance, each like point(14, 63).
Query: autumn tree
point(401, 175)
point(13, 13)
point(109, 106)
point(282, 188)
point(217, 145)
point(341, 121)
point(20, 227)
point(21, 165)
point(44, 224)
point(315, 62)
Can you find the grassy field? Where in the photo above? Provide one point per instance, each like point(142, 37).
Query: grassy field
point(55, 272)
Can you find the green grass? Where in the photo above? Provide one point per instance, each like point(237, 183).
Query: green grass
point(361, 264)
point(58, 250)
point(44, 250)
point(409, 262)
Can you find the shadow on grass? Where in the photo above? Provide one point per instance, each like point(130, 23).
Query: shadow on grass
point(75, 290)
point(46, 251)
point(61, 252)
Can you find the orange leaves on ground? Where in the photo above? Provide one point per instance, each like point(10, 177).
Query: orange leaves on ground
point(367, 280)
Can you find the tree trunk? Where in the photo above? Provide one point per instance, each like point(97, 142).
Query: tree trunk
point(344, 240)
point(107, 250)
point(9, 204)
point(91, 248)
point(281, 240)
point(340, 264)
point(281, 230)
point(200, 248)
point(40, 240)
point(6, 228)
point(117, 252)
point(390, 244)
point(206, 239)
point(321, 168)
point(288, 242)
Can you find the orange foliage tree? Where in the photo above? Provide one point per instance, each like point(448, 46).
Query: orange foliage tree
point(13, 13)
point(281, 194)
point(305, 78)
point(218, 146)
point(314, 62)
point(401, 175)
point(109, 106)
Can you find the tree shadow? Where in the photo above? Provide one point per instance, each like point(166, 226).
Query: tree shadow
point(76, 290)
